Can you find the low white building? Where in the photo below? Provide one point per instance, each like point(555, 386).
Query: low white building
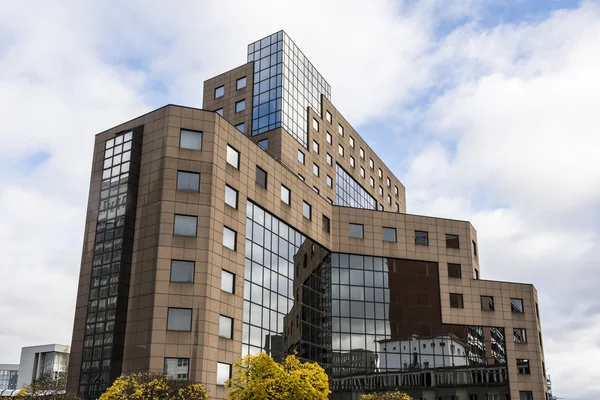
point(51, 359)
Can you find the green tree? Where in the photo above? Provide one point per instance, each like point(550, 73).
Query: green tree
point(395, 395)
point(260, 377)
point(153, 385)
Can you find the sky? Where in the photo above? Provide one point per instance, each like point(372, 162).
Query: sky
point(487, 111)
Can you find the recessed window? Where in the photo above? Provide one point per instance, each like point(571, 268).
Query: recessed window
point(261, 177)
point(301, 177)
point(177, 368)
point(223, 373)
point(190, 140)
point(456, 300)
point(451, 241)
point(389, 234)
point(264, 144)
point(329, 138)
point(516, 306)
point(326, 224)
point(381, 208)
point(285, 195)
point(329, 201)
point(380, 173)
point(371, 181)
point(328, 116)
point(240, 127)
point(523, 367)
point(315, 125)
point(397, 207)
point(352, 161)
point(316, 189)
point(340, 129)
point(229, 238)
point(231, 196)
point(389, 182)
point(219, 92)
point(188, 181)
point(362, 172)
point(389, 199)
point(356, 231)
point(182, 271)
point(351, 142)
point(240, 106)
point(185, 225)
point(227, 281)
point(329, 181)
point(301, 157)
point(422, 238)
point(219, 111)
point(329, 159)
point(341, 150)
point(233, 157)
point(537, 311)
point(225, 327)
point(475, 274)
point(371, 163)
point(315, 169)
point(487, 303)
point(474, 245)
point(179, 319)
point(306, 210)
point(396, 190)
point(525, 395)
point(240, 83)
point(454, 270)
point(520, 335)
point(362, 153)
point(315, 146)
point(380, 191)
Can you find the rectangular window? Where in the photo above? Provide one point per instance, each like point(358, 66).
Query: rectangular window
point(179, 319)
point(315, 146)
point(341, 150)
point(389, 234)
point(340, 129)
point(352, 161)
point(315, 169)
point(351, 142)
point(219, 111)
point(329, 159)
point(329, 201)
point(380, 173)
point(326, 224)
point(223, 373)
point(329, 181)
point(520, 335)
point(356, 231)
point(301, 177)
point(227, 281)
point(240, 83)
point(474, 248)
point(541, 342)
point(231, 197)
point(219, 92)
point(396, 190)
point(397, 207)
point(190, 140)
point(301, 157)
point(188, 181)
point(451, 241)
point(315, 125)
point(328, 116)
point(362, 153)
point(229, 238)
point(240, 127)
point(285, 195)
point(329, 138)
point(525, 395)
point(240, 106)
point(264, 144)
point(316, 189)
point(225, 327)
point(371, 181)
point(422, 238)
point(380, 191)
point(516, 306)
point(389, 182)
point(475, 274)
point(182, 271)
point(456, 300)
point(177, 368)
point(261, 177)
point(389, 199)
point(371, 163)
point(233, 157)
point(487, 303)
point(537, 311)
point(362, 172)
point(185, 225)
point(523, 367)
point(306, 210)
point(454, 270)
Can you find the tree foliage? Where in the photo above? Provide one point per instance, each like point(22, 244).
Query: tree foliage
point(260, 377)
point(395, 395)
point(46, 387)
point(153, 385)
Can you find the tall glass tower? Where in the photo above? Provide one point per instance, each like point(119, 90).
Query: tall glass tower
point(285, 84)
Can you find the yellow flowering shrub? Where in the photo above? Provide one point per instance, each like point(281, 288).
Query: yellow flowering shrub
point(142, 386)
point(396, 395)
point(260, 377)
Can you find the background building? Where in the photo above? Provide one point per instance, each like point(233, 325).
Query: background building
point(8, 376)
point(264, 222)
point(49, 359)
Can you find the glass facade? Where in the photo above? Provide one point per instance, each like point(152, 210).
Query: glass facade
point(8, 378)
point(285, 84)
point(350, 193)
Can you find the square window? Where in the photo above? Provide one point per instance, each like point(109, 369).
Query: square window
point(352, 161)
point(306, 210)
point(371, 181)
point(231, 197)
point(356, 231)
point(329, 138)
point(351, 142)
point(219, 92)
point(340, 129)
point(240, 127)
point(452, 241)
point(516, 306)
point(240, 83)
point(261, 177)
point(362, 172)
point(188, 181)
point(329, 181)
point(223, 373)
point(190, 140)
point(371, 163)
point(301, 157)
point(179, 319)
point(225, 327)
point(520, 335)
point(229, 238)
point(185, 225)
point(315, 147)
point(422, 238)
point(315, 125)
point(315, 169)
point(341, 150)
point(240, 106)
point(380, 173)
point(219, 111)
point(523, 367)
point(326, 224)
point(456, 300)
point(227, 281)
point(177, 368)
point(328, 116)
point(329, 159)
point(525, 395)
point(264, 144)
point(233, 157)
point(454, 270)
point(285, 195)
point(362, 153)
point(487, 303)
point(389, 234)
point(182, 271)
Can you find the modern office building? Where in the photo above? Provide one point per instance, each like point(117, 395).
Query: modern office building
point(8, 376)
point(48, 359)
point(264, 222)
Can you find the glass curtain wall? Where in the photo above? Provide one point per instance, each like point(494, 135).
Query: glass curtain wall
point(349, 193)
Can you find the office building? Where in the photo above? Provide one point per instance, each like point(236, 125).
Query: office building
point(8, 376)
point(49, 359)
point(264, 222)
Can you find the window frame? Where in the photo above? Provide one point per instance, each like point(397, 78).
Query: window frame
point(289, 195)
point(452, 238)
point(303, 160)
point(304, 205)
point(237, 154)
point(193, 265)
point(237, 83)
point(236, 197)
point(357, 235)
point(389, 229)
point(259, 175)
point(230, 331)
point(316, 170)
point(512, 308)
point(487, 303)
point(191, 315)
point(315, 124)
point(224, 271)
point(175, 225)
point(181, 131)
point(455, 267)
point(458, 300)
point(316, 146)
point(523, 335)
point(340, 129)
point(243, 130)
point(326, 224)
point(217, 96)
point(221, 382)
point(238, 109)
point(426, 238)
point(341, 150)
point(189, 173)
point(226, 228)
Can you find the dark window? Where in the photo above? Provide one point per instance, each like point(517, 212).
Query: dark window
point(520, 335)
point(475, 274)
point(456, 300)
point(474, 248)
point(326, 224)
point(454, 270)
point(261, 177)
point(306, 210)
point(525, 396)
point(541, 343)
point(487, 303)
point(544, 369)
point(231, 196)
point(285, 195)
point(185, 225)
point(516, 305)
point(179, 319)
point(422, 238)
point(356, 231)
point(537, 311)
point(523, 367)
point(227, 281)
point(182, 271)
point(389, 234)
point(190, 140)
point(220, 91)
point(188, 181)
point(451, 241)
